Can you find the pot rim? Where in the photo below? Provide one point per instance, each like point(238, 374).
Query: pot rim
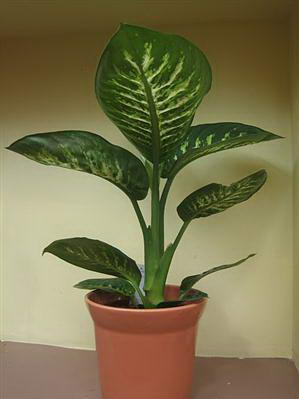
point(187, 306)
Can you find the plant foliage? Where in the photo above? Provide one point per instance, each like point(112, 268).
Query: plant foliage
point(150, 85)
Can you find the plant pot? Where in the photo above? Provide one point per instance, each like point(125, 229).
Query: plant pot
point(146, 354)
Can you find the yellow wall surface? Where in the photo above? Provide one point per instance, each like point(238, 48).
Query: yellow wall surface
point(295, 113)
point(48, 85)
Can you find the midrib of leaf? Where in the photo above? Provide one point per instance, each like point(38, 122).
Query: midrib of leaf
point(154, 116)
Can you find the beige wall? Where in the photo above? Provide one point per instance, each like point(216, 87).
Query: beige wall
point(295, 92)
point(48, 85)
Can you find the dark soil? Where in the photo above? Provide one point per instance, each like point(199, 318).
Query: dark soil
point(112, 299)
point(120, 301)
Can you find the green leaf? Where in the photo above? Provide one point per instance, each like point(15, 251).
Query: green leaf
point(87, 152)
point(215, 198)
point(189, 281)
point(150, 84)
point(96, 256)
point(191, 296)
point(213, 137)
point(118, 285)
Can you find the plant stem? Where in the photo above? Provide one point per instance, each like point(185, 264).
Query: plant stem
point(163, 199)
point(153, 250)
point(147, 304)
point(146, 236)
point(156, 295)
point(142, 225)
point(140, 216)
point(155, 219)
point(180, 234)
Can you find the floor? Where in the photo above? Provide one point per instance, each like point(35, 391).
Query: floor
point(44, 372)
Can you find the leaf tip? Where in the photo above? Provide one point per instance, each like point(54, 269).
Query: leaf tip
point(45, 250)
point(122, 26)
point(262, 173)
point(13, 148)
point(274, 136)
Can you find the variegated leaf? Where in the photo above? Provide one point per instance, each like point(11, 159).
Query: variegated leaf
point(213, 137)
point(190, 281)
point(150, 84)
point(215, 198)
point(191, 296)
point(118, 285)
point(87, 152)
point(96, 256)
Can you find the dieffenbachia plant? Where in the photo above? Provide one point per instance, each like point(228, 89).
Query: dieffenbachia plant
point(150, 85)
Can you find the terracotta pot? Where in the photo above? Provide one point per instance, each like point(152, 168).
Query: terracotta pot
point(145, 354)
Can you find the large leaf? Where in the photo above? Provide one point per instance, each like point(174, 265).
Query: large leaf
point(213, 137)
point(87, 152)
point(118, 285)
point(189, 281)
point(97, 256)
point(150, 84)
point(215, 198)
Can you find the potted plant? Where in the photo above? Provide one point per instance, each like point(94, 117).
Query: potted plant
point(150, 85)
